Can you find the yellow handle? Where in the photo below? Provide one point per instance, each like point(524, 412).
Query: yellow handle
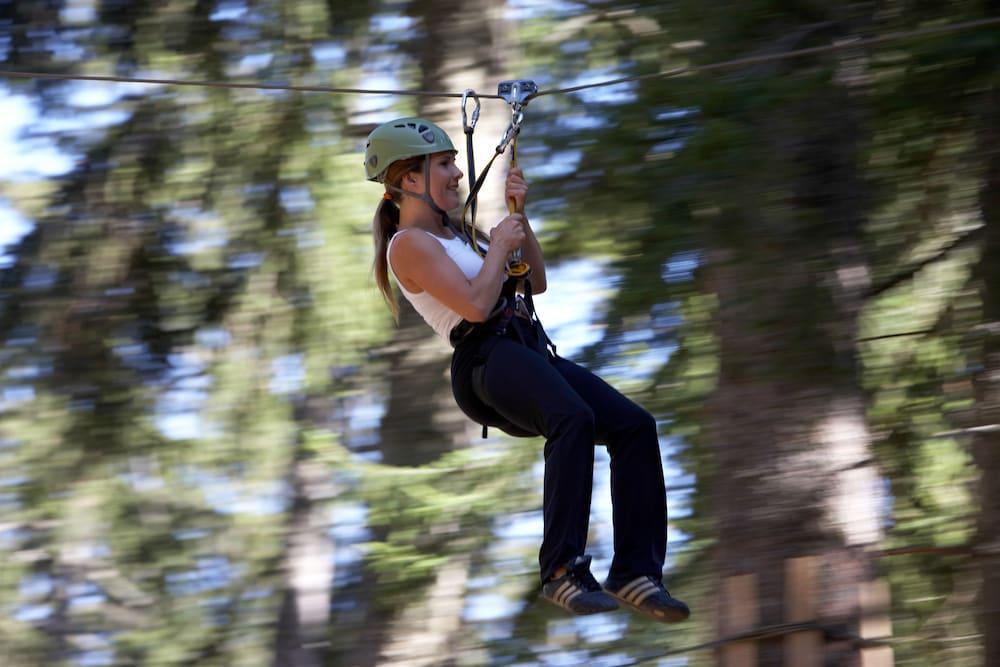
point(518, 268)
point(511, 202)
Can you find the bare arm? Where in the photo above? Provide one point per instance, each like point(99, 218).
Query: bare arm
point(420, 260)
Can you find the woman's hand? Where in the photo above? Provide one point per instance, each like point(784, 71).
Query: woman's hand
point(516, 189)
point(509, 234)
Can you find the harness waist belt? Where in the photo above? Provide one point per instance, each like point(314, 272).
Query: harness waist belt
point(465, 328)
point(461, 331)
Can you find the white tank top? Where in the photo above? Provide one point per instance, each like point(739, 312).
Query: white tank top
point(441, 318)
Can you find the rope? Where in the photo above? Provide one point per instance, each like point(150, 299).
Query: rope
point(850, 43)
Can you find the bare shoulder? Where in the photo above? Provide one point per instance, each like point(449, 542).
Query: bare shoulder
point(412, 248)
point(414, 244)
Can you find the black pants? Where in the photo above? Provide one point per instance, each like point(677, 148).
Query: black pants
point(525, 391)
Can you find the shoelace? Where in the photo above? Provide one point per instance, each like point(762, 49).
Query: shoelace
point(658, 584)
point(580, 575)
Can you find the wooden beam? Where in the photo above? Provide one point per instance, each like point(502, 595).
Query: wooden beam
point(802, 649)
point(738, 612)
point(876, 623)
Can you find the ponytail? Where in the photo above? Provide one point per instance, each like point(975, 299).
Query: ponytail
point(386, 224)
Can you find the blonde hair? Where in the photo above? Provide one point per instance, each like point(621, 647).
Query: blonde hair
point(386, 223)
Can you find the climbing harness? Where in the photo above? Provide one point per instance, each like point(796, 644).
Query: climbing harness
point(516, 93)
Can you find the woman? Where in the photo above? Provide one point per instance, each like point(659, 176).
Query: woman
point(505, 376)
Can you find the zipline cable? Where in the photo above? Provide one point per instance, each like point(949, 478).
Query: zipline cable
point(848, 43)
point(226, 84)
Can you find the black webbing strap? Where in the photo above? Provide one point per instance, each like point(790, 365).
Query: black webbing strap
point(470, 230)
point(507, 293)
point(503, 314)
point(543, 338)
point(472, 167)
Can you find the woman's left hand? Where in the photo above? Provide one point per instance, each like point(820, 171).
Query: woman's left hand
point(516, 188)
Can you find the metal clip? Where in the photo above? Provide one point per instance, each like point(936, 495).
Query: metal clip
point(516, 117)
point(512, 130)
point(508, 134)
point(469, 127)
point(517, 91)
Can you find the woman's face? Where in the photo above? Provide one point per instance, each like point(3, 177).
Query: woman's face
point(445, 176)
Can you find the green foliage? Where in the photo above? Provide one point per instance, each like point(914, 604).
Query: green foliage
point(192, 321)
point(734, 185)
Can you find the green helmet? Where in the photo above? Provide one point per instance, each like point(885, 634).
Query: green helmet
point(399, 139)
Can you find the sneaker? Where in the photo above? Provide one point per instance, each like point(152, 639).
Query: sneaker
point(577, 590)
point(647, 595)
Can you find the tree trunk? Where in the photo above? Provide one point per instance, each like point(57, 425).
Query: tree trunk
point(792, 450)
point(795, 474)
point(303, 622)
point(428, 633)
point(422, 421)
point(986, 443)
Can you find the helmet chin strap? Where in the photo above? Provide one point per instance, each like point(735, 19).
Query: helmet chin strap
point(426, 196)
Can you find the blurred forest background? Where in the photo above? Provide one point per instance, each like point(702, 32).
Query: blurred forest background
point(216, 447)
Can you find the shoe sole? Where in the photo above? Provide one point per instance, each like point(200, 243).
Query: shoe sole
point(669, 615)
point(580, 613)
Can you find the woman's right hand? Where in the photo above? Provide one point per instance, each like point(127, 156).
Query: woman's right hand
point(509, 234)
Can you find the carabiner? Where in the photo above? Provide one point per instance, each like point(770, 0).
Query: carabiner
point(469, 127)
point(516, 116)
point(508, 134)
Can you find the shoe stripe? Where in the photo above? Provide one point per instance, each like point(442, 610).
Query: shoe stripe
point(641, 592)
point(557, 596)
point(564, 595)
point(571, 597)
point(628, 588)
point(642, 597)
